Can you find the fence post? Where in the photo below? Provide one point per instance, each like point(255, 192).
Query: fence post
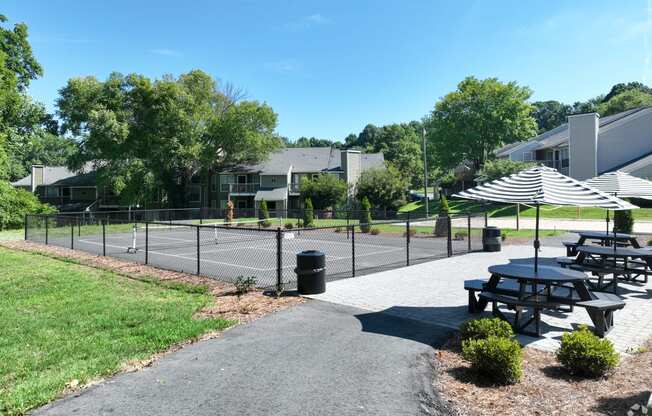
point(78, 228)
point(198, 252)
point(279, 260)
point(26, 216)
point(407, 241)
point(486, 219)
point(449, 237)
point(353, 251)
point(348, 214)
point(104, 237)
point(72, 235)
point(468, 229)
point(47, 228)
point(147, 242)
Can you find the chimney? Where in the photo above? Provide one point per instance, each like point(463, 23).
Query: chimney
point(583, 145)
point(351, 165)
point(37, 176)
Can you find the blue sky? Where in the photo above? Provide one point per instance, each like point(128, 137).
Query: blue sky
point(330, 68)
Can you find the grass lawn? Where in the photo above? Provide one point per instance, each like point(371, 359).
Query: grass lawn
point(12, 234)
point(476, 232)
point(63, 322)
point(417, 209)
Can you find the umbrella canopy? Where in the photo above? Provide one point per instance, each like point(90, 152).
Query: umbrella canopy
point(542, 185)
point(622, 184)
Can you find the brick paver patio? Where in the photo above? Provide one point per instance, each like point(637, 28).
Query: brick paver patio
point(433, 292)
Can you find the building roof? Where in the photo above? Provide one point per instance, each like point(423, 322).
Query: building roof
point(559, 135)
point(307, 159)
point(276, 194)
point(60, 176)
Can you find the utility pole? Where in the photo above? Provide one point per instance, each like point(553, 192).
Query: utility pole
point(425, 170)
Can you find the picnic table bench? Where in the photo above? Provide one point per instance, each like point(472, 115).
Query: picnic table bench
point(548, 288)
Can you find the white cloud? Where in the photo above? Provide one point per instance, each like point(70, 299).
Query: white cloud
point(165, 52)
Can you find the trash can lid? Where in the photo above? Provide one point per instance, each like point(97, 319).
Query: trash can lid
point(311, 253)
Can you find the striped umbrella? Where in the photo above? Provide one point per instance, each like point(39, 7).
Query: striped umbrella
point(542, 185)
point(623, 185)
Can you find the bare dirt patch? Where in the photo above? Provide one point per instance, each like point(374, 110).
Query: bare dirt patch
point(546, 389)
point(226, 304)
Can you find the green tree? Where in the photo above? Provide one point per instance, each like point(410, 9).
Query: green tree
point(444, 209)
point(383, 187)
point(498, 168)
point(365, 215)
point(479, 117)
point(550, 114)
point(263, 214)
point(16, 203)
point(308, 213)
point(626, 100)
point(325, 191)
point(623, 221)
point(145, 136)
point(313, 142)
point(622, 87)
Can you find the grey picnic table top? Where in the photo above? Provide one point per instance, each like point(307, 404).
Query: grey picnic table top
point(605, 235)
point(621, 252)
point(544, 274)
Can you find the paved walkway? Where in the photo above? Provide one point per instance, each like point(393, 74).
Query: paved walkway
point(315, 359)
point(434, 292)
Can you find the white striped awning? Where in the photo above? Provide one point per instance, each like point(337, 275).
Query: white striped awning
point(622, 185)
point(543, 185)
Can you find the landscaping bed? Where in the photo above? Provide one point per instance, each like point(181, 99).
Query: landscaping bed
point(72, 318)
point(546, 388)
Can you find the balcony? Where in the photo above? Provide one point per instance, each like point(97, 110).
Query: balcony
point(295, 188)
point(561, 164)
point(240, 188)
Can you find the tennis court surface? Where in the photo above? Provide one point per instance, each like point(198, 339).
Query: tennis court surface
point(268, 254)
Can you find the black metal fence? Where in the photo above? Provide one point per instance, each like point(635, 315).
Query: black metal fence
point(225, 251)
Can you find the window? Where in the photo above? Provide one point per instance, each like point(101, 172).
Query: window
point(528, 156)
point(51, 191)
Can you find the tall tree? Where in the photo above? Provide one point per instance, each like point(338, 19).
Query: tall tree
point(626, 100)
point(480, 116)
point(550, 114)
point(145, 136)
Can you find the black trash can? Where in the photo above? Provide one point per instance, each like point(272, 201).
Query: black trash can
point(311, 272)
point(491, 239)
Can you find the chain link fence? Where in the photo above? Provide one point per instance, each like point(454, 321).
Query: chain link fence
point(264, 249)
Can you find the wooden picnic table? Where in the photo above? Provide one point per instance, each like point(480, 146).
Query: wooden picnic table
point(628, 262)
point(606, 238)
point(547, 288)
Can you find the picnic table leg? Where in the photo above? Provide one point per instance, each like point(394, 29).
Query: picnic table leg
point(491, 285)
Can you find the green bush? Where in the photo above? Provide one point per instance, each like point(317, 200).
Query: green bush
point(244, 284)
point(289, 225)
point(308, 213)
point(374, 231)
point(16, 203)
point(365, 215)
point(444, 209)
point(623, 221)
point(484, 328)
point(498, 359)
point(584, 353)
point(263, 214)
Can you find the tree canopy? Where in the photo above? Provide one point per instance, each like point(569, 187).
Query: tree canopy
point(498, 168)
point(148, 135)
point(325, 191)
point(480, 116)
point(383, 187)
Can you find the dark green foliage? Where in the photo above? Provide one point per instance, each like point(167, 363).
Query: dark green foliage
point(374, 231)
point(325, 191)
point(484, 328)
point(263, 214)
point(550, 114)
point(385, 188)
point(495, 169)
point(623, 221)
point(584, 353)
point(244, 284)
point(498, 359)
point(15, 203)
point(308, 213)
point(365, 215)
point(289, 225)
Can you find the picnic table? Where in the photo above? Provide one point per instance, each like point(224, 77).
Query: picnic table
point(627, 262)
point(603, 238)
point(547, 288)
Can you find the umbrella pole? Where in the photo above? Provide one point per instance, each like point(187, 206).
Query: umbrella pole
point(536, 243)
point(614, 242)
point(607, 221)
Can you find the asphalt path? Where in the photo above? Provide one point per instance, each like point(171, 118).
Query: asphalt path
point(314, 359)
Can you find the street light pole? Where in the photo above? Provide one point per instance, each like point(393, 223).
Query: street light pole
point(425, 171)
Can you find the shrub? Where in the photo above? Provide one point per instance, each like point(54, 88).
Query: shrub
point(16, 203)
point(649, 242)
point(584, 353)
point(374, 231)
point(338, 229)
point(444, 209)
point(289, 225)
point(229, 212)
point(413, 232)
point(498, 359)
point(365, 215)
point(484, 328)
point(263, 214)
point(308, 213)
point(244, 285)
point(623, 221)
point(460, 235)
point(503, 236)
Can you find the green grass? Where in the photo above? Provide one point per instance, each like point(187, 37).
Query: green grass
point(16, 234)
point(62, 322)
point(417, 209)
point(475, 232)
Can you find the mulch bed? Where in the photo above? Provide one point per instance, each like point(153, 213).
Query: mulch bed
point(546, 388)
point(226, 304)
